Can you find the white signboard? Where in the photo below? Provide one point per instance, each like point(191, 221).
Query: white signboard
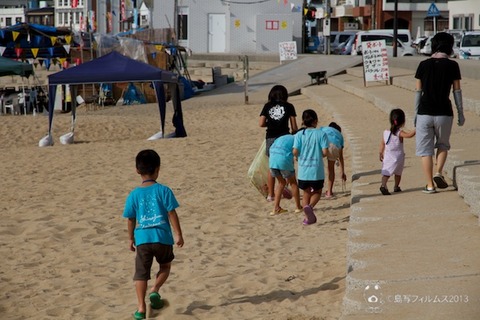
point(375, 61)
point(288, 50)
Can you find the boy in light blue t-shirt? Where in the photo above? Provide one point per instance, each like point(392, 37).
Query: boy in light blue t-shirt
point(282, 168)
point(150, 209)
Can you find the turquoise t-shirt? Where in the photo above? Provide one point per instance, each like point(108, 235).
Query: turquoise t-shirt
point(149, 206)
point(281, 155)
point(309, 143)
point(334, 136)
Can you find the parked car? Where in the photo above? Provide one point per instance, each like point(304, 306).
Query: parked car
point(470, 45)
point(426, 49)
point(345, 48)
point(339, 37)
point(419, 43)
point(402, 48)
point(384, 34)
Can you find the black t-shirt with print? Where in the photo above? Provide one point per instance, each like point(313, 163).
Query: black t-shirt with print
point(278, 116)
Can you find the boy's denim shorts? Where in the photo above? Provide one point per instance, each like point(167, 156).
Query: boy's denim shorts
point(163, 253)
point(284, 173)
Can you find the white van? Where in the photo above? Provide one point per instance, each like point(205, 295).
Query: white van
point(405, 43)
point(470, 45)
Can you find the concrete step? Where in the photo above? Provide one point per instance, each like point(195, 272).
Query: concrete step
point(410, 255)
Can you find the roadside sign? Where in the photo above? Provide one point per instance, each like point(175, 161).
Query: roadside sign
point(433, 11)
point(375, 61)
point(288, 50)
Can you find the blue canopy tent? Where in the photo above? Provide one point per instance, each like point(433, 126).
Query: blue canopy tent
point(114, 68)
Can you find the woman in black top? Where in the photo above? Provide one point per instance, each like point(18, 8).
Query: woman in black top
point(436, 77)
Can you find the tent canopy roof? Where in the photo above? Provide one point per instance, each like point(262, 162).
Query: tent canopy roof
point(11, 67)
point(111, 68)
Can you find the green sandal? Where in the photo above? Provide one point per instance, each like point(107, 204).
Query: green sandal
point(139, 315)
point(156, 301)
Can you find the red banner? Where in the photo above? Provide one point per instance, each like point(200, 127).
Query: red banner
point(74, 3)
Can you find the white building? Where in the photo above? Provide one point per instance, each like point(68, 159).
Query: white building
point(230, 26)
point(464, 15)
point(11, 16)
point(66, 16)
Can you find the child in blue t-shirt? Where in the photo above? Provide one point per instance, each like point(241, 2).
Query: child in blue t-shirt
point(150, 209)
point(335, 153)
point(282, 169)
point(309, 147)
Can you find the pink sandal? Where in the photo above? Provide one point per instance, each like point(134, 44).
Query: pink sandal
point(311, 218)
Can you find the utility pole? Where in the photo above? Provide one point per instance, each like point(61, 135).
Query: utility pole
point(326, 27)
point(395, 28)
point(374, 16)
point(304, 27)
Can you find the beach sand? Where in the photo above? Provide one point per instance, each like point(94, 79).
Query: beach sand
point(63, 240)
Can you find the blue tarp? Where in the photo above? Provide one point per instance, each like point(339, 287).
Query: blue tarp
point(133, 96)
point(113, 68)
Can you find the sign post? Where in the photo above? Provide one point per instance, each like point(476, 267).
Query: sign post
point(288, 50)
point(375, 61)
point(433, 12)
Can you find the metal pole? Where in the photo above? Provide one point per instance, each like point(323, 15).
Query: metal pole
point(327, 24)
point(374, 17)
point(395, 28)
point(175, 22)
point(245, 76)
point(304, 29)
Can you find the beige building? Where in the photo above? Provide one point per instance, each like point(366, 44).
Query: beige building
point(464, 14)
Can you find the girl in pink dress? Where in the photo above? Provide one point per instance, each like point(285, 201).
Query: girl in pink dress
point(392, 154)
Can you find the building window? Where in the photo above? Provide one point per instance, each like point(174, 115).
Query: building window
point(457, 23)
point(18, 20)
point(272, 24)
point(8, 21)
point(469, 22)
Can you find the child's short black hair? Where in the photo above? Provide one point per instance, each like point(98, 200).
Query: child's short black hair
point(147, 161)
point(309, 117)
point(335, 126)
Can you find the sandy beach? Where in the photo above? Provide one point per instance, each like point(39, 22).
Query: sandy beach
point(64, 243)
